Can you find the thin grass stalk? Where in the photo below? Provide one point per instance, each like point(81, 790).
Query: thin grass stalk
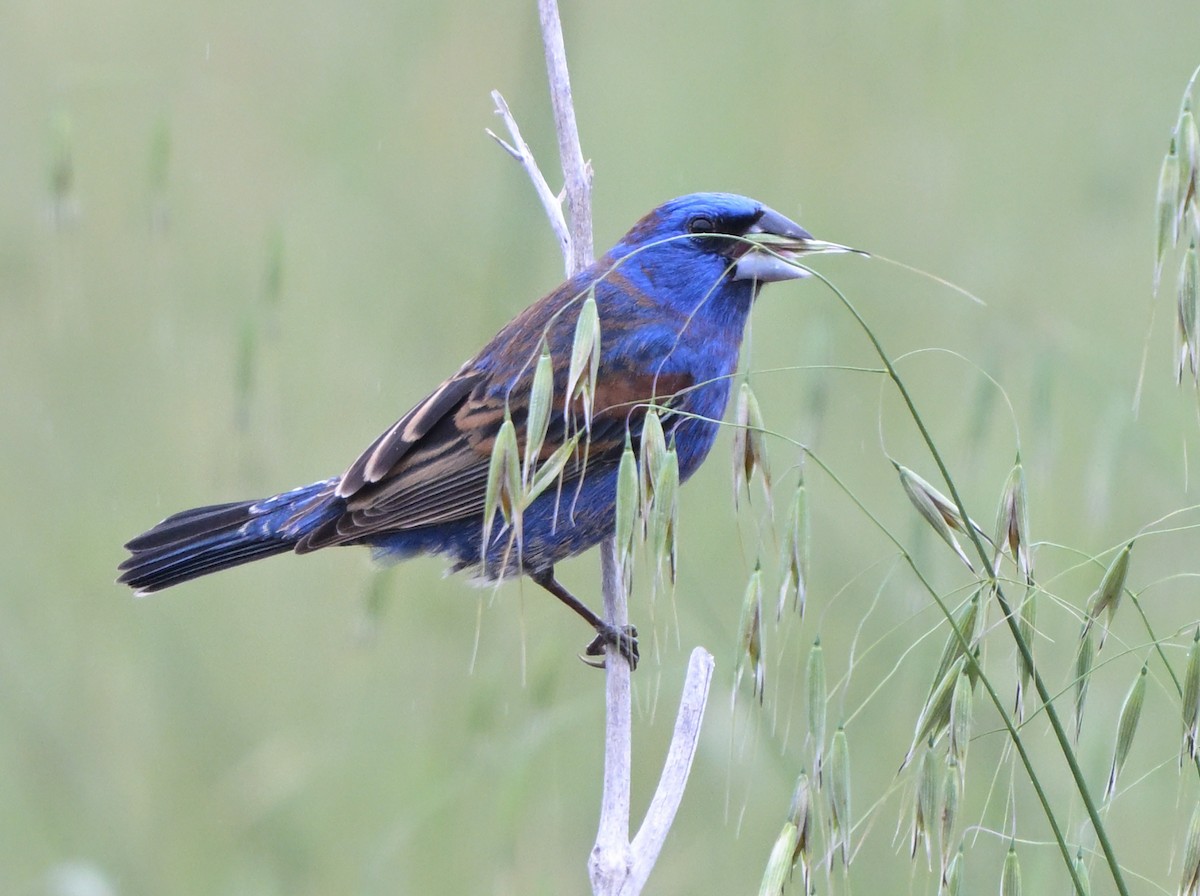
point(1013, 622)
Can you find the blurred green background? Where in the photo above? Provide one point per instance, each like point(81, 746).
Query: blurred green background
point(238, 240)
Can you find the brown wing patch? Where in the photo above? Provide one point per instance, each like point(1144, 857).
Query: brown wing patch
point(387, 450)
point(439, 474)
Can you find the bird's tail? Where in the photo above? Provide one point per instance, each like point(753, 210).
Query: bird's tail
point(206, 539)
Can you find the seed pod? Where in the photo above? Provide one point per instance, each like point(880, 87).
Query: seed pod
point(1191, 700)
point(1107, 597)
point(1131, 712)
point(839, 796)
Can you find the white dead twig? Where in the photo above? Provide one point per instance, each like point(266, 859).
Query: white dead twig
point(617, 867)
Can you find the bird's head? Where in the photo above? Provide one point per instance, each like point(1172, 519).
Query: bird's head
point(739, 237)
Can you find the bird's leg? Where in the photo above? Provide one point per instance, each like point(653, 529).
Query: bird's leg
point(624, 639)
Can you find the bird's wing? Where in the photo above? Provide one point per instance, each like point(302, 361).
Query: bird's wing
point(389, 449)
point(431, 467)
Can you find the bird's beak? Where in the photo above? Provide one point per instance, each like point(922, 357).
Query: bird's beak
point(774, 248)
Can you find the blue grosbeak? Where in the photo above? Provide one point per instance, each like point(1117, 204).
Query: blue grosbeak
point(672, 296)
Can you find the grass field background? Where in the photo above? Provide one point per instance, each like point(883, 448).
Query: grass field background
point(238, 240)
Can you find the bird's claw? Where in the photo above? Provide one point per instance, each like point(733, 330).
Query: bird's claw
point(624, 639)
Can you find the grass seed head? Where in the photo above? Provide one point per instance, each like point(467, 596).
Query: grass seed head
point(664, 514)
point(1189, 881)
point(503, 492)
point(935, 714)
point(1107, 597)
point(1081, 874)
point(1012, 522)
point(1085, 657)
point(1131, 713)
point(1189, 140)
point(1186, 312)
point(794, 581)
point(1010, 877)
point(961, 703)
point(779, 863)
point(952, 792)
point(969, 623)
point(752, 642)
point(1191, 700)
point(749, 445)
point(627, 503)
point(925, 802)
point(817, 702)
point(541, 398)
point(800, 815)
point(653, 454)
point(585, 361)
point(1027, 623)
point(1167, 207)
point(839, 795)
point(936, 508)
point(951, 883)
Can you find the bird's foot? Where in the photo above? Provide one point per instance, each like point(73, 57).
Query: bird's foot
point(624, 639)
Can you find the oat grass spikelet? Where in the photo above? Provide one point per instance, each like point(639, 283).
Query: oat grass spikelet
point(751, 654)
point(1189, 879)
point(1190, 709)
point(1131, 712)
point(1010, 877)
point(1107, 597)
point(938, 510)
point(839, 797)
point(1085, 657)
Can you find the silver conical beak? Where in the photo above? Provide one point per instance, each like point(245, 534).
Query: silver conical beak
point(778, 243)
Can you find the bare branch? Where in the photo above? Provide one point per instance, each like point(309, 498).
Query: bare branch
point(612, 858)
point(617, 867)
point(577, 173)
point(520, 151)
point(661, 814)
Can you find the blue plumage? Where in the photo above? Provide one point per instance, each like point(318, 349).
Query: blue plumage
point(673, 296)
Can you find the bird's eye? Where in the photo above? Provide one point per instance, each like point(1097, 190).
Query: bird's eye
point(701, 224)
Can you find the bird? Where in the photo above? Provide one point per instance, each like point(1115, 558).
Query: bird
point(672, 298)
